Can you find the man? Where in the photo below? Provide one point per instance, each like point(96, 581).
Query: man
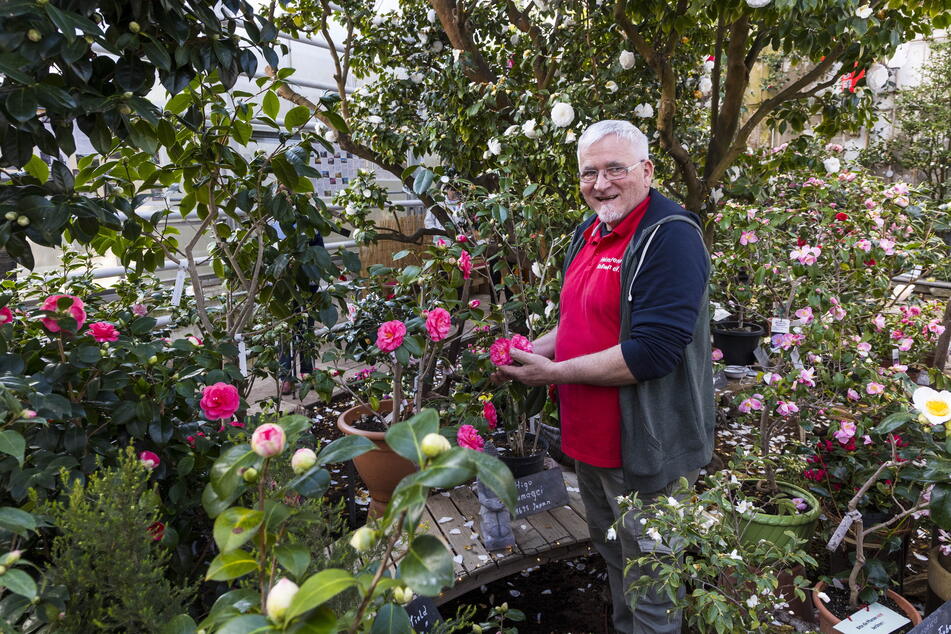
point(630, 356)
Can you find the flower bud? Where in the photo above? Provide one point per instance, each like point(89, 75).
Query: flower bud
point(503, 608)
point(3, 570)
point(124, 109)
point(434, 444)
point(10, 215)
point(33, 35)
point(23, 221)
point(402, 595)
point(11, 557)
point(250, 475)
point(134, 27)
point(268, 440)
point(476, 629)
point(279, 598)
point(149, 459)
point(302, 460)
point(363, 539)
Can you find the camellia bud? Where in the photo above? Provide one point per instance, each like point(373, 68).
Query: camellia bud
point(127, 94)
point(302, 460)
point(10, 215)
point(280, 597)
point(402, 595)
point(504, 608)
point(134, 27)
point(268, 440)
point(23, 221)
point(33, 35)
point(124, 109)
point(476, 629)
point(153, 360)
point(12, 557)
point(434, 444)
point(3, 570)
point(250, 475)
point(362, 539)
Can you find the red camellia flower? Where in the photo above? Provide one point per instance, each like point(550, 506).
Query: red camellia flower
point(842, 216)
point(156, 530)
point(74, 310)
point(490, 415)
point(870, 262)
point(800, 242)
point(103, 331)
point(389, 336)
point(6, 315)
point(219, 401)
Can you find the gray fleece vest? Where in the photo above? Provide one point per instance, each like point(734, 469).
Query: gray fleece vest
point(667, 422)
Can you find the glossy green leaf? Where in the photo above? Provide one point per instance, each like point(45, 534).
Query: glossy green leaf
point(21, 104)
point(296, 117)
point(345, 448)
point(313, 483)
point(427, 566)
point(422, 180)
point(246, 624)
point(406, 437)
point(270, 105)
point(16, 520)
point(294, 557)
point(227, 470)
point(293, 426)
point(181, 624)
point(19, 583)
point(235, 527)
point(494, 475)
point(228, 566)
point(319, 621)
point(391, 619)
point(449, 469)
point(12, 444)
point(894, 421)
point(940, 506)
point(38, 169)
point(321, 587)
point(214, 504)
point(275, 514)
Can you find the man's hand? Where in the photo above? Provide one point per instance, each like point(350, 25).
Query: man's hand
point(534, 369)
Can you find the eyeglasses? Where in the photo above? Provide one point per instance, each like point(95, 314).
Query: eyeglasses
point(610, 173)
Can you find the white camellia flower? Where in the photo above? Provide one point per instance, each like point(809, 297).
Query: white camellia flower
point(863, 12)
point(654, 534)
point(705, 85)
point(375, 119)
point(934, 405)
point(627, 60)
point(437, 46)
point(455, 54)
point(611, 534)
point(279, 598)
point(757, 4)
point(876, 77)
point(752, 602)
point(495, 147)
point(400, 73)
point(570, 137)
point(528, 128)
point(431, 15)
point(708, 65)
point(562, 114)
point(509, 131)
point(832, 165)
point(644, 111)
point(331, 135)
point(716, 194)
point(416, 77)
point(611, 86)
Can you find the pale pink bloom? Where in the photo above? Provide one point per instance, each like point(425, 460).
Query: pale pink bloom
point(902, 201)
point(465, 264)
point(747, 237)
point(837, 312)
point(139, 310)
point(219, 401)
point(905, 344)
point(866, 440)
point(847, 177)
point(800, 504)
point(752, 403)
point(887, 245)
point(438, 324)
point(771, 378)
point(807, 377)
point(845, 432)
point(874, 388)
point(897, 334)
point(103, 331)
point(935, 327)
point(834, 147)
point(853, 395)
point(864, 244)
point(469, 438)
point(806, 254)
point(805, 314)
point(74, 310)
point(879, 322)
point(195, 341)
point(499, 351)
point(864, 348)
point(898, 368)
point(786, 408)
point(869, 203)
point(390, 334)
point(914, 311)
point(268, 440)
point(149, 460)
point(717, 354)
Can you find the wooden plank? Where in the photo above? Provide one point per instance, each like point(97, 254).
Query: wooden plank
point(574, 496)
point(549, 528)
point(575, 524)
point(474, 554)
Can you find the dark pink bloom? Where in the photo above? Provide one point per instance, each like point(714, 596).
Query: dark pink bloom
point(469, 438)
point(438, 324)
point(219, 401)
point(74, 310)
point(389, 336)
point(490, 415)
point(462, 238)
point(149, 459)
point(499, 352)
point(103, 331)
point(521, 342)
point(156, 530)
point(465, 264)
point(474, 303)
point(6, 315)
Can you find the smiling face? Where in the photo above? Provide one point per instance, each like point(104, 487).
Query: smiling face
point(613, 200)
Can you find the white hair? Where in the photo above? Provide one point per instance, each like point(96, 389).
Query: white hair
point(622, 129)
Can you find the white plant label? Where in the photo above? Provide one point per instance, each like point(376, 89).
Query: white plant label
point(242, 354)
point(179, 285)
point(780, 325)
point(873, 618)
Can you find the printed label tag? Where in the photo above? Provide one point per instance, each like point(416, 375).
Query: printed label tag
point(874, 618)
point(842, 529)
point(179, 285)
point(242, 354)
point(780, 325)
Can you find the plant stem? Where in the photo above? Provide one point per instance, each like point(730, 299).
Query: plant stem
point(355, 627)
point(262, 536)
point(397, 393)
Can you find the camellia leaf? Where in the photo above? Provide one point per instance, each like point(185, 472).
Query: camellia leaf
point(38, 169)
point(422, 180)
point(449, 469)
point(313, 483)
point(270, 105)
point(406, 437)
point(391, 619)
point(235, 527)
point(226, 472)
point(894, 421)
point(495, 475)
point(343, 449)
point(181, 624)
point(228, 566)
point(940, 505)
point(321, 587)
point(12, 444)
point(296, 117)
point(17, 520)
point(246, 624)
point(427, 566)
point(294, 557)
point(19, 582)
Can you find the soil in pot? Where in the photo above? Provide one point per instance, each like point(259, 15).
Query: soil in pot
point(838, 606)
point(735, 342)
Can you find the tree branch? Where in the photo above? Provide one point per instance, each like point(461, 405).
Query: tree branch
point(452, 17)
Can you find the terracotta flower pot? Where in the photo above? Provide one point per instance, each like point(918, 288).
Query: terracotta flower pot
point(380, 470)
point(827, 620)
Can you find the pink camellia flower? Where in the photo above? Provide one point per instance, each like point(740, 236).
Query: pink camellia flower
point(717, 354)
point(806, 254)
point(879, 322)
point(905, 344)
point(901, 201)
point(786, 408)
point(752, 403)
point(389, 336)
point(6, 315)
point(195, 341)
point(521, 342)
point(853, 395)
point(465, 264)
point(438, 324)
point(837, 312)
point(897, 334)
point(440, 242)
point(475, 303)
point(933, 327)
point(807, 377)
point(805, 314)
point(888, 246)
point(864, 244)
point(866, 440)
point(28, 413)
point(139, 310)
point(219, 401)
point(874, 388)
point(149, 459)
point(748, 237)
point(771, 378)
point(845, 431)
point(490, 415)
point(499, 351)
point(800, 504)
point(469, 438)
point(863, 348)
point(461, 238)
point(103, 331)
point(74, 310)
point(268, 440)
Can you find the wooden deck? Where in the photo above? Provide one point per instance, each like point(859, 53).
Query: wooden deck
point(453, 517)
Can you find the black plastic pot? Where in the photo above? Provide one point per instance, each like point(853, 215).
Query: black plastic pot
point(737, 345)
point(521, 466)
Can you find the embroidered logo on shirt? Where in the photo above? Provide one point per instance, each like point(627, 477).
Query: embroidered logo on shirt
point(609, 264)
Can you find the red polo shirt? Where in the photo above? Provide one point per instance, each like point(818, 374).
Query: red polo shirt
point(590, 322)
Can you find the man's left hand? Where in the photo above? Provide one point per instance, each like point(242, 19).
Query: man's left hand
point(534, 369)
